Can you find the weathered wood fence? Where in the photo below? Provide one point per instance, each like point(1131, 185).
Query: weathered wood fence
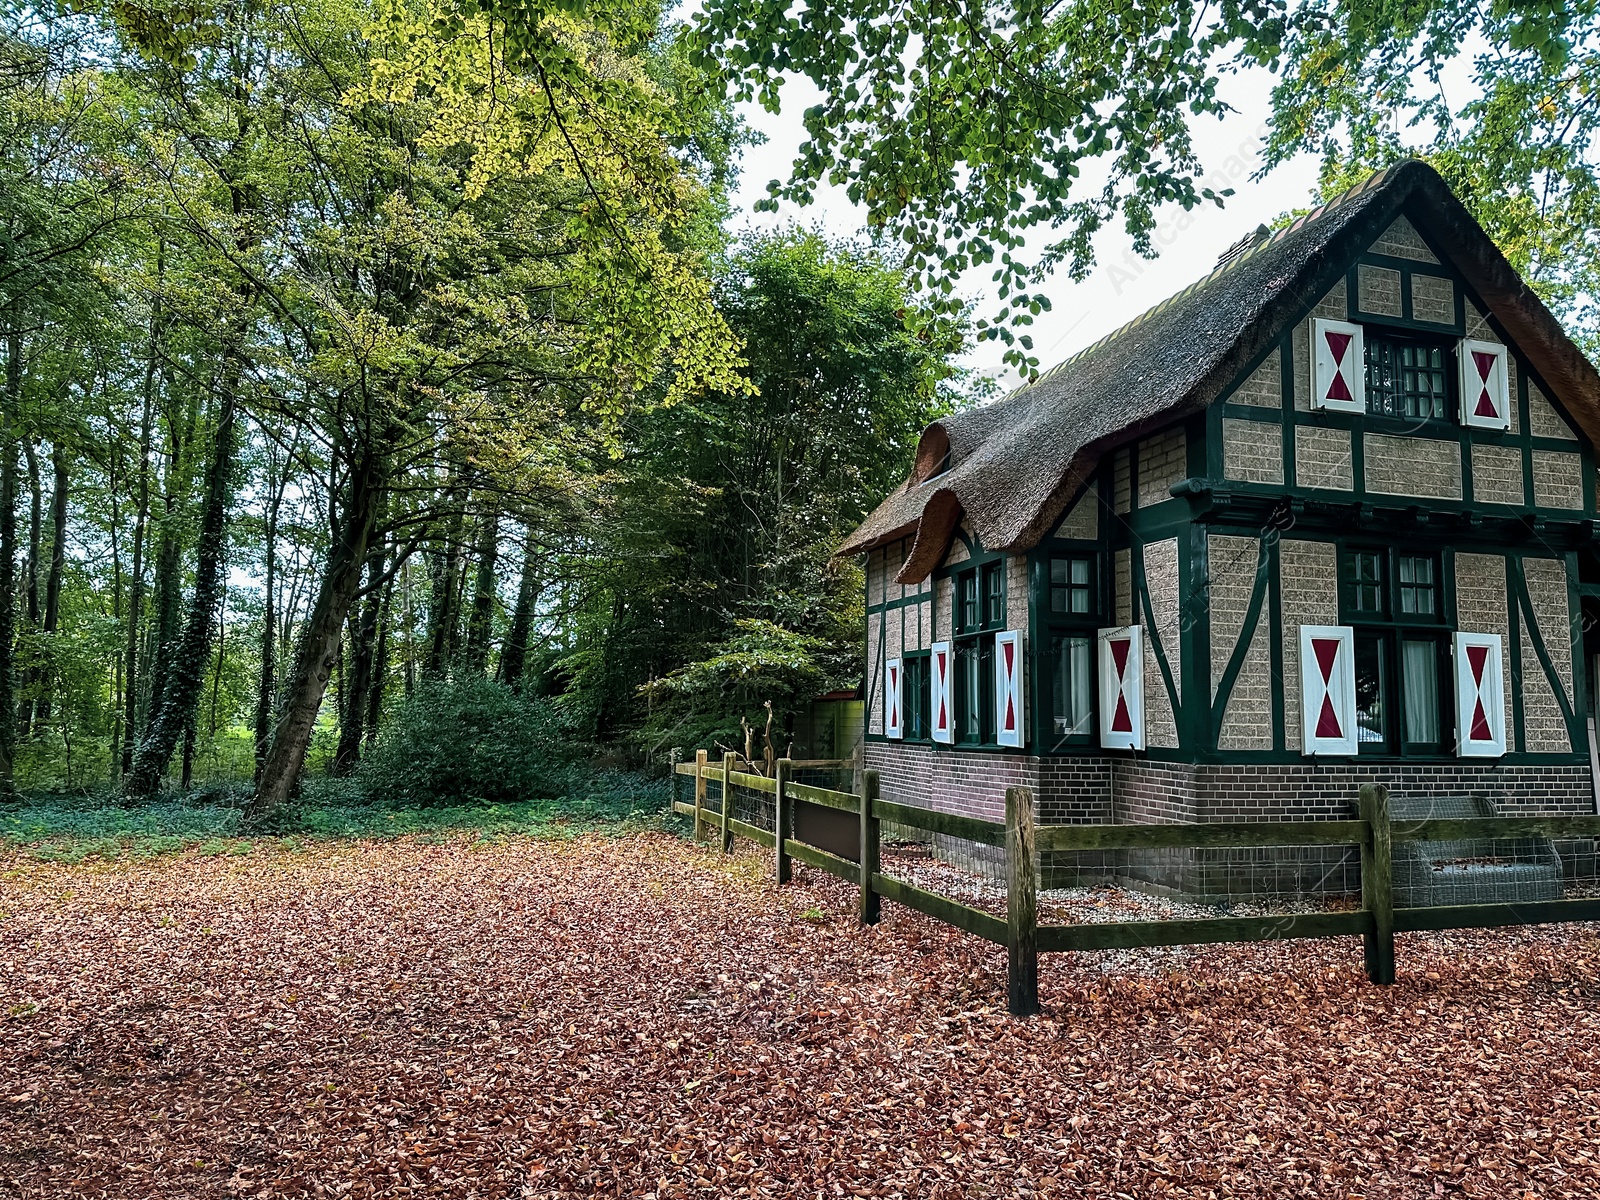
point(1021, 840)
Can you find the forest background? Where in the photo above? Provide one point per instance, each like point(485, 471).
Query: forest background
point(389, 412)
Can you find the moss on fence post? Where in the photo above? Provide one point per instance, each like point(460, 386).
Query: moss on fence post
point(1022, 906)
point(870, 851)
point(1377, 882)
point(782, 819)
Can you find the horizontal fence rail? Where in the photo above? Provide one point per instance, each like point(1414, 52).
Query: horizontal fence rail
point(1374, 834)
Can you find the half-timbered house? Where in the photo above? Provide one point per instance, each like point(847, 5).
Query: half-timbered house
point(1325, 516)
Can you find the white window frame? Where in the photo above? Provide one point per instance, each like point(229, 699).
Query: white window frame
point(1008, 689)
point(1340, 688)
point(1130, 687)
point(1499, 383)
point(1493, 693)
point(1323, 367)
point(940, 669)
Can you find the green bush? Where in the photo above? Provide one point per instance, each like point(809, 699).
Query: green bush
point(473, 740)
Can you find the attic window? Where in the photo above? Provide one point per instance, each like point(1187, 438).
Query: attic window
point(1406, 378)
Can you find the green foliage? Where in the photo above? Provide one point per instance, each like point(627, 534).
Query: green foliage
point(1362, 85)
point(71, 830)
point(471, 740)
point(718, 590)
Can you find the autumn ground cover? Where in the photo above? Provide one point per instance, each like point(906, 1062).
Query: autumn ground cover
point(633, 1016)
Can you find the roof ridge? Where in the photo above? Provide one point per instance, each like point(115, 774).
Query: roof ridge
point(1222, 268)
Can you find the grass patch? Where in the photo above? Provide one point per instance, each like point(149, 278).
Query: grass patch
point(71, 830)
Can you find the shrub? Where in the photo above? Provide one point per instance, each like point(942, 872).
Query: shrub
point(469, 740)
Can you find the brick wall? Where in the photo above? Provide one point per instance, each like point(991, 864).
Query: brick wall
point(1309, 585)
point(1481, 607)
point(1252, 451)
point(1378, 290)
point(1543, 420)
point(1557, 479)
point(1247, 720)
point(1162, 582)
point(1120, 789)
point(1401, 240)
point(1083, 518)
point(1433, 298)
point(1543, 725)
point(1497, 474)
point(1322, 458)
point(1163, 461)
point(1264, 386)
point(1412, 466)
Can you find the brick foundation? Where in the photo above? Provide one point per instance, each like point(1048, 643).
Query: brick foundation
point(1087, 789)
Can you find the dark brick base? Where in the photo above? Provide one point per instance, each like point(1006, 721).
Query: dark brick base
point(1119, 789)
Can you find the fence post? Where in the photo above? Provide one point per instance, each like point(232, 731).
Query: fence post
point(699, 790)
point(1022, 906)
point(1377, 883)
point(727, 801)
point(673, 759)
point(868, 792)
point(782, 818)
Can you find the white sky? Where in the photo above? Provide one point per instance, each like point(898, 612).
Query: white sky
point(1123, 284)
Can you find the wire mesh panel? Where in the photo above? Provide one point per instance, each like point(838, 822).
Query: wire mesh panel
point(1482, 870)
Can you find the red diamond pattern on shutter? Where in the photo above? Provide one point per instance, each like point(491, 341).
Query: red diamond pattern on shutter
point(1485, 364)
point(1122, 720)
point(1478, 730)
point(894, 696)
point(1339, 347)
point(1009, 649)
point(1327, 652)
point(942, 721)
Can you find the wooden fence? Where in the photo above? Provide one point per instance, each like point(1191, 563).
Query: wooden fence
point(1021, 840)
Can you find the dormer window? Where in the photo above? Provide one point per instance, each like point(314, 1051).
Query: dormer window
point(1406, 378)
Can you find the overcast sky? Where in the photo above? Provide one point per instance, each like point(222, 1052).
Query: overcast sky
point(1123, 285)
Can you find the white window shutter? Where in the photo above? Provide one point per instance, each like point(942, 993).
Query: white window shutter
point(943, 720)
point(892, 696)
point(1339, 371)
point(1485, 380)
point(1009, 725)
point(1122, 688)
point(1328, 690)
point(1480, 696)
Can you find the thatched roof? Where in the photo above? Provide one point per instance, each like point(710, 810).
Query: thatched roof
point(1010, 468)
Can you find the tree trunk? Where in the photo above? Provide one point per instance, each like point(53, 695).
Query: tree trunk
point(480, 625)
point(186, 673)
point(445, 564)
point(8, 553)
point(358, 679)
point(58, 566)
point(130, 667)
point(269, 641)
point(514, 657)
point(319, 645)
point(30, 586)
point(380, 666)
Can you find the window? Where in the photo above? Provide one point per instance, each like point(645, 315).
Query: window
point(980, 609)
point(1406, 379)
point(1417, 594)
point(915, 697)
point(1070, 588)
point(1068, 649)
point(1364, 582)
point(1071, 685)
point(1393, 601)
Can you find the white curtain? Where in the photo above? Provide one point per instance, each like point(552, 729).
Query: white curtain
point(1419, 674)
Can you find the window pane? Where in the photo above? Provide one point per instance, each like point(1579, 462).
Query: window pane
point(1058, 570)
point(986, 697)
point(1070, 686)
point(1419, 669)
point(1371, 692)
point(1405, 379)
point(968, 691)
point(994, 596)
point(1080, 570)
